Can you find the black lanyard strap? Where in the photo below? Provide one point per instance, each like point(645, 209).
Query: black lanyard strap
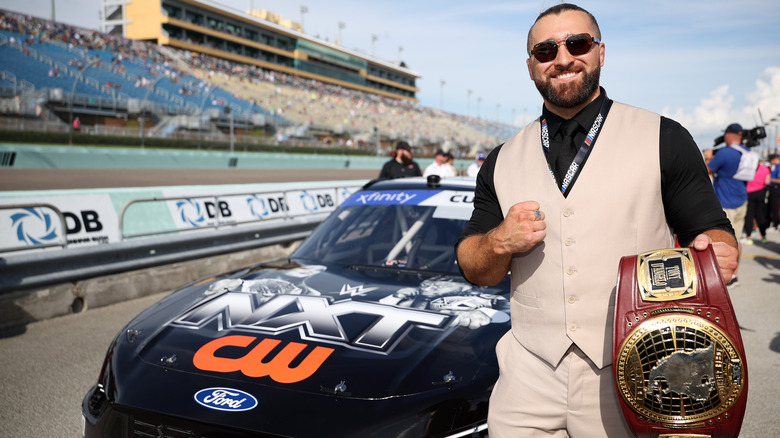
point(582, 152)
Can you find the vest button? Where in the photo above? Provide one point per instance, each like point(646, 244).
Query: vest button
point(567, 212)
point(569, 242)
point(571, 270)
point(572, 299)
point(573, 327)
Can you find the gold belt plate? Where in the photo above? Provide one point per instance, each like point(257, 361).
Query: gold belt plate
point(666, 275)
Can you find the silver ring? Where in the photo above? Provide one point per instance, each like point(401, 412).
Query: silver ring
point(538, 214)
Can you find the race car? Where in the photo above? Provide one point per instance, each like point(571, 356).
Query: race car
point(367, 329)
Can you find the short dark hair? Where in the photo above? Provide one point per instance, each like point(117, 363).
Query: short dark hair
point(403, 145)
point(557, 10)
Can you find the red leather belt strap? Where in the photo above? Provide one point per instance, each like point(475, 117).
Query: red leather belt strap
point(680, 367)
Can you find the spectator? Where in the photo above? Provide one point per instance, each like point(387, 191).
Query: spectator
point(402, 164)
point(76, 124)
point(774, 193)
point(732, 193)
point(473, 169)
point(756, 204)
point(439, 166)
point(451, 163)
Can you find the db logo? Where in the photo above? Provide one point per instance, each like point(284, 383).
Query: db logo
point(314, 203)
point(253, 363)
point(37, 226)
point(262, 207)
point(34, 226)
point(191, 213)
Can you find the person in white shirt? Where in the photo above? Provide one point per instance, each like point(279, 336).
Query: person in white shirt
point(439, 166)
point(473, 170)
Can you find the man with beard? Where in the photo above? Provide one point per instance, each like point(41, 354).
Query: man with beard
point(401, 165)
point(558, 205)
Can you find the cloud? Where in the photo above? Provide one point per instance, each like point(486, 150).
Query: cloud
point(766, 96)
point(713, 113)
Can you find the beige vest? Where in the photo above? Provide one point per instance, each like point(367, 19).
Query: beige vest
point(563, 290)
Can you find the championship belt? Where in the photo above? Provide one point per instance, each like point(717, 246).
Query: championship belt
point(680, 367)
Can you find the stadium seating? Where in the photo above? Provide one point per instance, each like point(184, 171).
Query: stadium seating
point(49, 55)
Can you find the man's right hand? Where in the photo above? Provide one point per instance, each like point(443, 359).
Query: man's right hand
point(522, 228)
point(485, 259)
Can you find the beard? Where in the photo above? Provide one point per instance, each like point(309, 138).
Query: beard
point(406, 159)
point(570, 95)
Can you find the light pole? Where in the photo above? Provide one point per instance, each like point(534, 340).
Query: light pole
point(498, 107)
point(304, 10)
point(73, 92)
point(229, 112)
point(200, 115)
point(468, 102)
point(400, 49)
point(479, 100)
point(373, 40)
point(441, 95)
point(143, 107)
point(376, 134)
point(341, 26)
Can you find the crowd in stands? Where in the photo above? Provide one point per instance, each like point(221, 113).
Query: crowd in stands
point(304, 102)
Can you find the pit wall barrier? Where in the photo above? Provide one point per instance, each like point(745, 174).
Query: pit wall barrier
point(56, 219)
point(80, 157)
point(62, 251)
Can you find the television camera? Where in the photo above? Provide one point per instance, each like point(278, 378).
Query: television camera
point(750, 137)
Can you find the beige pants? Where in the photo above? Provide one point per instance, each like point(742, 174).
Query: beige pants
point(533, 399)
point(737, 218)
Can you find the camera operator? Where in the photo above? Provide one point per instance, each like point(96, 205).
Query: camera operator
point(731, 192)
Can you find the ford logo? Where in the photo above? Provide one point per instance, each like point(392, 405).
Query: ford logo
point(226, 399)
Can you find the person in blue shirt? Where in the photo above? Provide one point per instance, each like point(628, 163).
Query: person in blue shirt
point(731, 192)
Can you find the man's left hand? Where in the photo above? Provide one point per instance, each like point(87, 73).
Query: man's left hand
point(725, 252)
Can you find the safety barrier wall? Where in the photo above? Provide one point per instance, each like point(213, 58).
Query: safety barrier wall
point(65, 157)
point(83, 157)
point(67, 235)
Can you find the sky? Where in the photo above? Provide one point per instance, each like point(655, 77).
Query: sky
point(705, 64)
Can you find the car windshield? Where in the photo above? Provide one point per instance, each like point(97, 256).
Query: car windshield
point(413, 230)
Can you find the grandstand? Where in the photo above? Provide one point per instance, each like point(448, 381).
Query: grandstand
point(262, 39)
point(51, 73)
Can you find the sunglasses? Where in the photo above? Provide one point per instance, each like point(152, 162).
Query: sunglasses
point(577, 45)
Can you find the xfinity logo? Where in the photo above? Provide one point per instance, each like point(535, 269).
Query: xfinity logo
point(385, 197)
point(226, 399)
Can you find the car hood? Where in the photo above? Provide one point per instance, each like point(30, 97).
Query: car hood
point(355, 332)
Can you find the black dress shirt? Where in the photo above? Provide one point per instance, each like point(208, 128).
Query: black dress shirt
point(689, 202)
point(394, 169)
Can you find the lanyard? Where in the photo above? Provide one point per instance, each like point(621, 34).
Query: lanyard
point(582, 152)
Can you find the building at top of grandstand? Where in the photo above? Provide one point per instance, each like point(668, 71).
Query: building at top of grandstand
point(257, 38)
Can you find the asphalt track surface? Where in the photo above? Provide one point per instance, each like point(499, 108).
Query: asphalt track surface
point(46, 371)
point(55, 179)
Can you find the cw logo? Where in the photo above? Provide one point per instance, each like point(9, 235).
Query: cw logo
point(252, 364)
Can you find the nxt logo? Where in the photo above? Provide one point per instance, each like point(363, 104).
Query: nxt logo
point(255, 364)
point(666, 273)
point(315, 318)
